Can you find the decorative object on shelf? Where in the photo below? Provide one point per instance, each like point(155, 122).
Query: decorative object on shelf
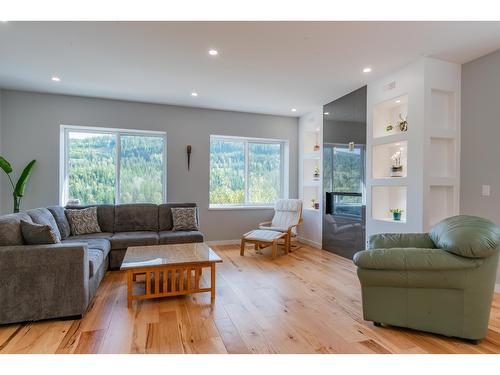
point(403, 124)
point(188, 150)
point(316, 147)
point(316, 173)
point(389, 127)
point(351, 146)
point(314, 204)
point(18, 189)
point(396, 213)
point(397, 168)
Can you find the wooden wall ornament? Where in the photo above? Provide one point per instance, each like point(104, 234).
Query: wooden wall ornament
point(188, 150)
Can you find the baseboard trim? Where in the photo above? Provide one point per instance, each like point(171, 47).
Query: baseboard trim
point(309, 242)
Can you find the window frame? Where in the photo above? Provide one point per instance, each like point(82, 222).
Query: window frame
point(117, 133)
point(284, 171)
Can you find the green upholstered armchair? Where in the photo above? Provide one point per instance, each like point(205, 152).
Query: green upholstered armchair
point(442, 281)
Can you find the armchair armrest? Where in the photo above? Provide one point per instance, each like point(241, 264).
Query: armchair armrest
point(43, 281)
point(413, 259)
point(400, 240)
point(265, 223)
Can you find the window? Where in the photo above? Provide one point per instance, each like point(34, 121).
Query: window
point(246, 171)
point(102, 166)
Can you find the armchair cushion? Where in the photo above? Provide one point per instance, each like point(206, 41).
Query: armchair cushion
point(287, 213)
point(468, 236)
point(413, 259)
point(392, 240)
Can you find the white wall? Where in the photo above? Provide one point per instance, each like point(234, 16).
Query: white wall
point(30, 130)
point(480, 138)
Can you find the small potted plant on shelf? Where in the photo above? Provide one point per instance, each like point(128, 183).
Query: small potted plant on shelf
point(314, 204)
point(397, 168)
point(396, 213)
point(316, 173)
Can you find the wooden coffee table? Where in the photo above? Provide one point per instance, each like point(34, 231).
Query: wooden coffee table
point(170, 270)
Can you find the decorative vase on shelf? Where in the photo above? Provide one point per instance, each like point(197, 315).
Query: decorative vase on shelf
point(397, 171)
point(316, 147)
point(316, 173)
point(396, 214)
point(316, 205)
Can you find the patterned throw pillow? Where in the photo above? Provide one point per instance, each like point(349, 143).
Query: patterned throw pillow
point(184, 218)
point(38, 234)
point(83, 221)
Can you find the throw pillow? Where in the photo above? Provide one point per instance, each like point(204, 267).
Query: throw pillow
point(184, 218)
point(83, 221)
point(38, 234)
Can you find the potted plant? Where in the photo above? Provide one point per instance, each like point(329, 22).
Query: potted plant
point(314, 204)
point(396, 213)
point(316, 173)
point(19, 187)
point(397, 168)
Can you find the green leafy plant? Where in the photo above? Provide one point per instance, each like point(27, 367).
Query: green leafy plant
point(396, 210)
point(20, 186)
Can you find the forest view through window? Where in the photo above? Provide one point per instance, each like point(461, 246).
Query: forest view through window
point(106, 167)
point(245, 172)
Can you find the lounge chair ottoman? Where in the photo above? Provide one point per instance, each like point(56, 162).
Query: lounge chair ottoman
point(264, 237)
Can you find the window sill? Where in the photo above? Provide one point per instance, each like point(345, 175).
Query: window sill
point(232, 208)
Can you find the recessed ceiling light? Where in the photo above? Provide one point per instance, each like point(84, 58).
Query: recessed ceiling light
point(326, 113)
point(317, 129)
point(294, 109)
point(213, 52)
point(398, 101)
point(367, 70)
point(56, 79)
point(194, 94)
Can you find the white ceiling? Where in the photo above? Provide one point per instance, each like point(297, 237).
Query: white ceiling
point(262, 67)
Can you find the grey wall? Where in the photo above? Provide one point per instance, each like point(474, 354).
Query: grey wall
point(480, 156)
point(30, 130)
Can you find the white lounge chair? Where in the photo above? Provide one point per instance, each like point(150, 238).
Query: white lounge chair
point(287, 216)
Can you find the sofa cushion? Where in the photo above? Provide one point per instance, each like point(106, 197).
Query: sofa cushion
point(38, 234)
point(61, 221)
point(83, 221)
point(468, 236)
point(44, 217)
point(136, 217)
point(105, 215)
point(170, 237)
point(184, 218)
point(100, 244)
point(90, 236)
point(165, 220)
point(123, 240)
point(96, 257)
point(10, 229)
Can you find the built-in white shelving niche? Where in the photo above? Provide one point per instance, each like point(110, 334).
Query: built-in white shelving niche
point(387, 113)
point(310, 193)
point(442, 157)
point(442, 110)
point(309, 168)
point(385, 156)
point(440, 203)
point(385, 198)
point(311, 141)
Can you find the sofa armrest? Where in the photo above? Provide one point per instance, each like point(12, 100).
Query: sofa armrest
point(413, 259)
point(43, 281)
point(401, 240)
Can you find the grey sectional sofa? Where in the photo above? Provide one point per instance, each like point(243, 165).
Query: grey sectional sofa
point(59, 280)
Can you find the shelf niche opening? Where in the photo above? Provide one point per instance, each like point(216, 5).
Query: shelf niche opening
point(441, 203)
point(310, 193)
point(442, 110)
point(388, 155)
point(385, 198)
point(387, 113)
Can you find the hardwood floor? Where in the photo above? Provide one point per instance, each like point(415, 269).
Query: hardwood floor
point(306, 302)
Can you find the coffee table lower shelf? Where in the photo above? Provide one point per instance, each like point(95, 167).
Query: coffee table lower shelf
point(169, 281)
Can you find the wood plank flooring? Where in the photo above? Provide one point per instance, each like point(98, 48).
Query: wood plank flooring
point(306, 302)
